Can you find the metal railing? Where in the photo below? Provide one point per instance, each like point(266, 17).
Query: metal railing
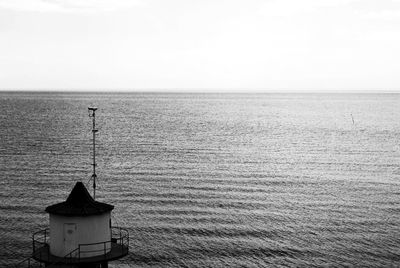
point(119, 244)
point(40, 239)
point(86, 250)
point(32, 261)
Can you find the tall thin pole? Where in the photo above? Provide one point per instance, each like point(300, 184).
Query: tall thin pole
point(92, 114)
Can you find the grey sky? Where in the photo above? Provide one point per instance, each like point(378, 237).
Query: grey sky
point(207, 44)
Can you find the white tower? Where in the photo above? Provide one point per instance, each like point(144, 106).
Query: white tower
point(80, 233)
point(80, 221)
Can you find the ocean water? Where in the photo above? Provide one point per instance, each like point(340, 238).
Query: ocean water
point(212, 180)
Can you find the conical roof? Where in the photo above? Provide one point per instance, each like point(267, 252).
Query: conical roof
point(79, 203)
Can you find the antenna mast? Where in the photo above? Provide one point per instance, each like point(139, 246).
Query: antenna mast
point(92, 114)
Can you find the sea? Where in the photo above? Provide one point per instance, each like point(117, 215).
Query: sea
point(211, 179)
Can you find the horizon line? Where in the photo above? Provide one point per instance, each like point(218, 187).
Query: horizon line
point(200, 90)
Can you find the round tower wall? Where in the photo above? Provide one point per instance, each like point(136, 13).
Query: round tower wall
point(69, 233)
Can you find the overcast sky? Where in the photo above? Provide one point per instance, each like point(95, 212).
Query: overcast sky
point(203, 44)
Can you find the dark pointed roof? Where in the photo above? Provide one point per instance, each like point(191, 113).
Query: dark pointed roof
point(79, 203)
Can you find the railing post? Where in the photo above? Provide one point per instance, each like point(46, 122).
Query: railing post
point(105, 249)
point(79, 252)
